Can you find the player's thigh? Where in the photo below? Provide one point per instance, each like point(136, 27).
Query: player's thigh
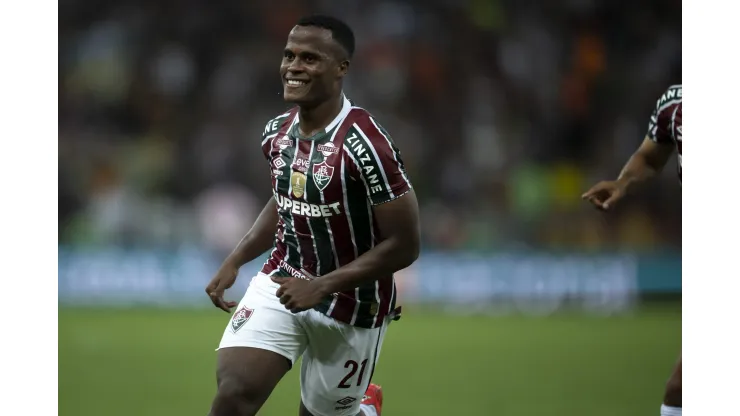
point(302, 411)
point(676, 374)
point(337, 366)
point(249, 374)
point(262, 340)
point(673, 391)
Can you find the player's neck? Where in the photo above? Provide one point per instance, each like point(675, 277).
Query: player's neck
point(315, 119)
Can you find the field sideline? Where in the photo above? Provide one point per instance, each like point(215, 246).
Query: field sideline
point(149, 362)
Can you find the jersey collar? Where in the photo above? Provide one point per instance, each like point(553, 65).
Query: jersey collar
point(346, 108)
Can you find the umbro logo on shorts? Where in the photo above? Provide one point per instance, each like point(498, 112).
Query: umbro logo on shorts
point(345, 403)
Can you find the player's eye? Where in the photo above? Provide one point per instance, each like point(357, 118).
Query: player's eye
point(309, 58)
point(288, 55)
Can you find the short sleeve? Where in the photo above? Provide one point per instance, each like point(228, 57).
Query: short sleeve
point(659, 126)
point(274, 129)
point(378, 161)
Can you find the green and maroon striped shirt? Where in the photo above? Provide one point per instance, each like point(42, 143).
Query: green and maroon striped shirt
point(325, 187)
point(666, 122)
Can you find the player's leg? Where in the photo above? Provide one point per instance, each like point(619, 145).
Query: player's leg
point(302, 411)
point(672, 399)
point(246, 377)
point(337, 367)
point(261, 342)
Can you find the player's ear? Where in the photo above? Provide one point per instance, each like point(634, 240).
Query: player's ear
point(343, 68)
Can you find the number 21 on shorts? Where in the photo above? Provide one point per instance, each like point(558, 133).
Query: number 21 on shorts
point(352, 366)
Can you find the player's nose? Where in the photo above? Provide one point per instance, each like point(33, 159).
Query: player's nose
point(295, 67)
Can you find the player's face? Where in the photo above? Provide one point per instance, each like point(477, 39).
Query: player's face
point(311, 70)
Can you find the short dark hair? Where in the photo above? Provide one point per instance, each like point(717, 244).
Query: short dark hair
point(340, 31)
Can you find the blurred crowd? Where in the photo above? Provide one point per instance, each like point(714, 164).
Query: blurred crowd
point(505, 112)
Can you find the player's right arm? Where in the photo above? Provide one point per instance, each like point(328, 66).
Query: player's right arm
point(258, 239)
point(649, 159)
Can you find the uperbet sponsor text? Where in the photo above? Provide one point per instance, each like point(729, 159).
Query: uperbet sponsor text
point(305, 209)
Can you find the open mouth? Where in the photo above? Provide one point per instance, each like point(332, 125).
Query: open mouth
point(295, 83)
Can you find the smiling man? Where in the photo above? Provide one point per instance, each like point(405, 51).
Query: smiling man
point(343, 219)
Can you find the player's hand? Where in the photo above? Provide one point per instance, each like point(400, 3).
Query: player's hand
point(605, 194)
point(298, 295)
point(224, 279)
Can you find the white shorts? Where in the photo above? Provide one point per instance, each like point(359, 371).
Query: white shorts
point(339, 358)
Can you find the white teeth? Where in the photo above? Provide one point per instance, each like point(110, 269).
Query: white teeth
point(295, 83)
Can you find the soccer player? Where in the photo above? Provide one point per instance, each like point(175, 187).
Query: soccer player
point(343, 219)
point(663, 136)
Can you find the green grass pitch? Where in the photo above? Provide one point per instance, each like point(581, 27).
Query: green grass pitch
point(149, 362)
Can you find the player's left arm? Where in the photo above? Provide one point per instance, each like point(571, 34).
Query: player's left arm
point(394, 206)
point(398, 223)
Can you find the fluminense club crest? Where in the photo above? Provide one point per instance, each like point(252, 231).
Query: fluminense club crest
point(240, 318)
point(322, 174)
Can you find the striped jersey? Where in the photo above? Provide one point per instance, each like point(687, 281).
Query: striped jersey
point(666, 122)
point(325, 187)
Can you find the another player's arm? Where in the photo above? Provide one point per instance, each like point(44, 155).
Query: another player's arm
point(648, 161)
point(398, 223)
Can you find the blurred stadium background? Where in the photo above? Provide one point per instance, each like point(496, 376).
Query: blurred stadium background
point(525, 301)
